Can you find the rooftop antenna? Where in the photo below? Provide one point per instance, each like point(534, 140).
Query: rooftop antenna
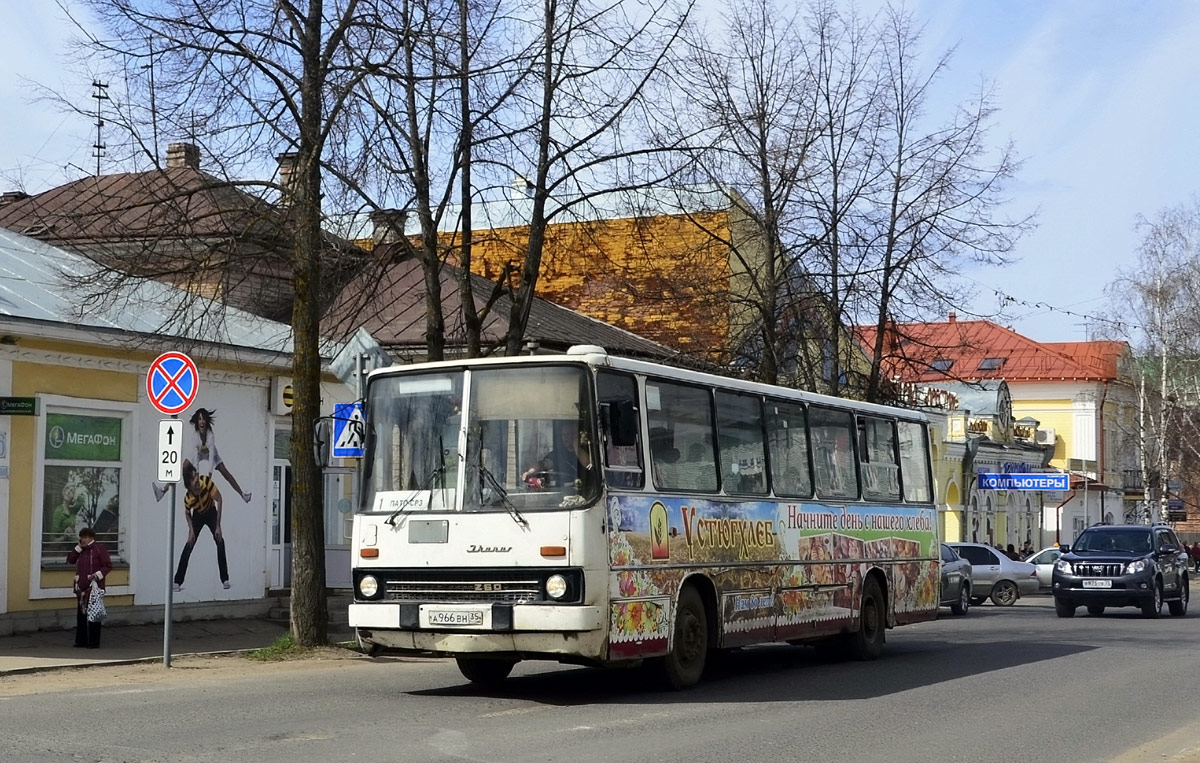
point(100, 94)
point(153, 105)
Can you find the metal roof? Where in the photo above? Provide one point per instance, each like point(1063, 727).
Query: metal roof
point(976, 350)
point(515, 209)
point(36, 284)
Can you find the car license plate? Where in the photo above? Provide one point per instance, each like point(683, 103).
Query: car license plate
point(454, 617)
point(1097, 584)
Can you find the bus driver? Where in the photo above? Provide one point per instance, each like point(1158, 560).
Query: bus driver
point(568, 462)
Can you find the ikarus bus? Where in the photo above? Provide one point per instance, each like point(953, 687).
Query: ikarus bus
point(599, 510)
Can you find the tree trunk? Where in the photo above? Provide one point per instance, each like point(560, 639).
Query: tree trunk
point(309, 607)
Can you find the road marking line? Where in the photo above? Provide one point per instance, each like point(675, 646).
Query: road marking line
point(513, 711)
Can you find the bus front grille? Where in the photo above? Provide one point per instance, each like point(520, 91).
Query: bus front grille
point(484, 589)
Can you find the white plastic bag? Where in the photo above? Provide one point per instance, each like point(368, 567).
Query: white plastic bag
point(96, 613)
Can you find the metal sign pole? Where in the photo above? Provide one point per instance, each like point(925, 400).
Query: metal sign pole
point(170, 582)
point(171, 386)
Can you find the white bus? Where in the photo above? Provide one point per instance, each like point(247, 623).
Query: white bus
point(598, 510)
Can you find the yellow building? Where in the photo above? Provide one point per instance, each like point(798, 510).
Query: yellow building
point(80, 439)
point(1075, 399)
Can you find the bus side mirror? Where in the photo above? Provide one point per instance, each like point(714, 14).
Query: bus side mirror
point(622, 422)
point(322, 435)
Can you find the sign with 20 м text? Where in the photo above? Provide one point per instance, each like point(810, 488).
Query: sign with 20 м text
point(1024, 482)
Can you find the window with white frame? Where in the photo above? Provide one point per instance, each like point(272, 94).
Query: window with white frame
point(81, 481)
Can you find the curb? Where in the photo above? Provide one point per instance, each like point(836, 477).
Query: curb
point(109, 663)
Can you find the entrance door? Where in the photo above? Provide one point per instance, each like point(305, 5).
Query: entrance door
point(280, 556)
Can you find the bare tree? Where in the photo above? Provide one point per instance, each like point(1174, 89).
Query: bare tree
point(751, 96)
point(864, 211)
point(483, 94)
point(939, 197)
point(245, 78)
point(1159, 301)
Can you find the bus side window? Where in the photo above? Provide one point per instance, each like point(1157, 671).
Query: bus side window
point(877, 459)
point(914, 466)
point(743, 453)
point(834, 462)
point(681, 437)
point(787, 440)
point(621, 440)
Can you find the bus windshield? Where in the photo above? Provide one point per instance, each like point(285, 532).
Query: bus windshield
point(530, 440)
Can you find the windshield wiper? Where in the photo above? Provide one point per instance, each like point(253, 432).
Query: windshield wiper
point(500, 491)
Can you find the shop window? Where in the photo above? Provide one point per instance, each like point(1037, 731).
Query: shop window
point(82, 472)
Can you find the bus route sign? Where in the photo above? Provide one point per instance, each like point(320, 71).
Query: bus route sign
point(1057, 481)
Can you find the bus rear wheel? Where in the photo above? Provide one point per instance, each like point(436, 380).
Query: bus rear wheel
point(684, 664)
point(484, 671)
point(867, 642)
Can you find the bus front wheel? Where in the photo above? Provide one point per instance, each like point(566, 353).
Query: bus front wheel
point(484, 671)
point(684, 664)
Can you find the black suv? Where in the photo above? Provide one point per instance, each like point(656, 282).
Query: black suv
point(1122, 566)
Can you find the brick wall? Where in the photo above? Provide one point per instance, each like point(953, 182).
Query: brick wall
point(666, 278)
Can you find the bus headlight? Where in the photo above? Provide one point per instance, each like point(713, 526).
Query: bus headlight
point(368, 586)
point(556, 587)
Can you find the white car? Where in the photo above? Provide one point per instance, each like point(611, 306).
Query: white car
point(1044, 562)
point(995, 575)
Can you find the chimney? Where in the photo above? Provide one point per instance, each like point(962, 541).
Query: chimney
point(953, 317)
point(287, 170)
point(387, 226)
point(11, 197)
point(183, 155)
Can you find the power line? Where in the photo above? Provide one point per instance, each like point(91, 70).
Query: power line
point(1007, 299)
point(1119, 325)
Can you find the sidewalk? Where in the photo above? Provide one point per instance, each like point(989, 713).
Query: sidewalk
point(44, 650)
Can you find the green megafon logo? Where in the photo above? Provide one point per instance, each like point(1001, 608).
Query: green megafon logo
point(57, 437)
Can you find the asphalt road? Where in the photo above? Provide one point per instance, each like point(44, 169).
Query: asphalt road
point(996, 685)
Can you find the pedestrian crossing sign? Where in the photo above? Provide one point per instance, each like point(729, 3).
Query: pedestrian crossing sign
point(349, 427)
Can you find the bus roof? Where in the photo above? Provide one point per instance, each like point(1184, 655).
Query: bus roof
point(597, 357)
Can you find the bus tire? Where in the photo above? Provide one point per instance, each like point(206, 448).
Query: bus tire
point(485, 671)
point(867, 642)
point(684, 664)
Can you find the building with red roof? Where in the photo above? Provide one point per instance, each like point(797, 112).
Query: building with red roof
point(1075, 398)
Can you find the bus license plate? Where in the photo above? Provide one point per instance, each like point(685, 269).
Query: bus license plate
point(454, 617)
point(1097, 584)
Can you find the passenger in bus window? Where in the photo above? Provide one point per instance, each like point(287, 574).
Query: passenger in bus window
point(663, 458)
point(569, 460)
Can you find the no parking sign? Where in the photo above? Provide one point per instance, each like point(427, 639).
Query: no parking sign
point(172, 383)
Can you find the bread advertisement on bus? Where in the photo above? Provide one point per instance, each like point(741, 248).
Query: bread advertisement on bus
point(816, 556)
point(691, 530)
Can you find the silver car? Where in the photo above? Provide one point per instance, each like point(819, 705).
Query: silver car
point(1044, 562)
point(995, 575)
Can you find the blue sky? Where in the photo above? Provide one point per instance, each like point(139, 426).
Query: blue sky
point(1100, 97)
